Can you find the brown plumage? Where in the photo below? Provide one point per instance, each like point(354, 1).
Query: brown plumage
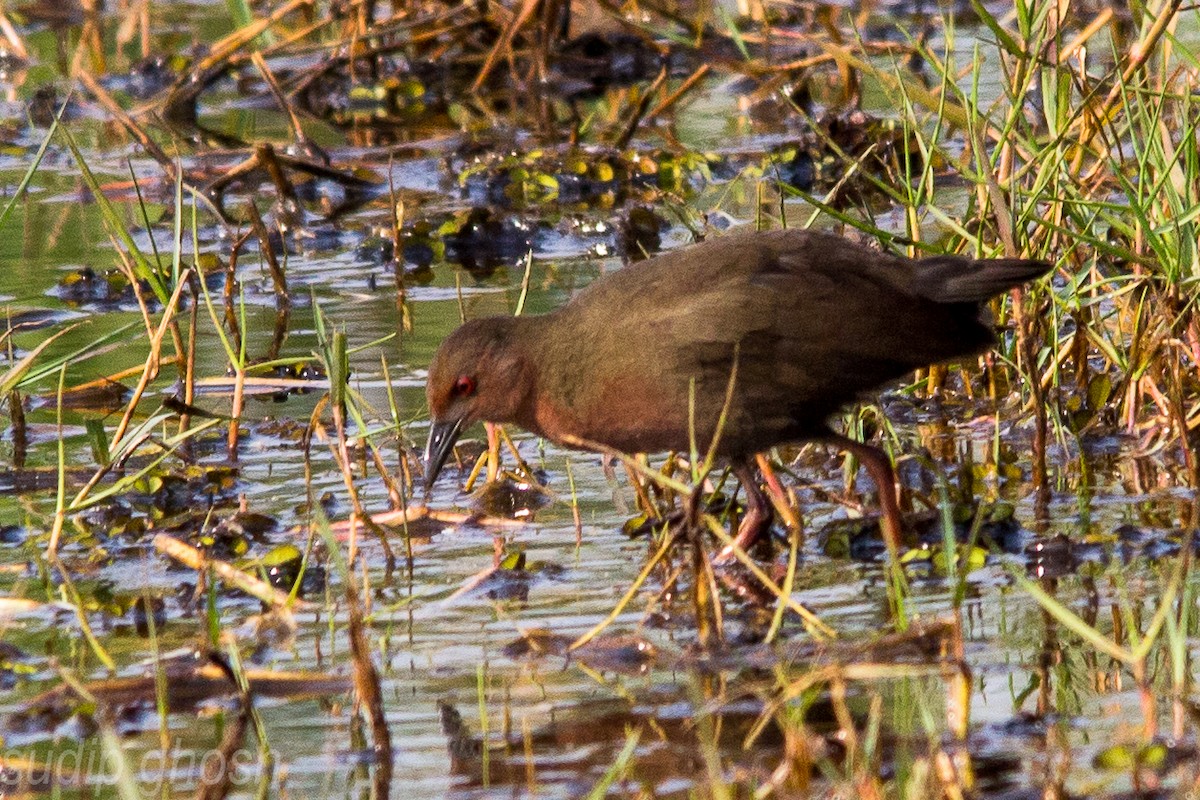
point(812, 321)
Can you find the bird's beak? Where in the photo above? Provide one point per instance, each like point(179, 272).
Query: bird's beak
point(442, 436)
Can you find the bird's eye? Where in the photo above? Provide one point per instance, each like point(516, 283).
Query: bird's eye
point(464, 386)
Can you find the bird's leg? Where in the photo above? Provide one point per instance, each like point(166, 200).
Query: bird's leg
point(757, 519)
point(879, 467)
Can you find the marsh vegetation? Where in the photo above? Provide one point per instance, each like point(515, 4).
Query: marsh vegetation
point(231, 238)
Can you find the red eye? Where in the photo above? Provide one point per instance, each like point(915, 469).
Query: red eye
point(464, 386)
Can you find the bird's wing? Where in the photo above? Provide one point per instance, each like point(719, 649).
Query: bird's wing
point(811, 336)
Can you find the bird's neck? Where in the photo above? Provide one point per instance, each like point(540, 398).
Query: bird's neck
point(551, 370)
point(515, 363)
point(533, 363)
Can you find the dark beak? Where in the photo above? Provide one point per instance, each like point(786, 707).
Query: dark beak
point(442, 436)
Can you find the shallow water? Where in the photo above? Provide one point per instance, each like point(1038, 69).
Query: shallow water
point(1043, 705)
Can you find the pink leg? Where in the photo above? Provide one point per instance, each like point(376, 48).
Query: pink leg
point(879, 467)
point(757, 519)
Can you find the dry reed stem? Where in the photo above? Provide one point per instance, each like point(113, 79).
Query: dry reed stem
point(12, 37)
point(144, 139)
point(235, 414)
point(286, 107)
point(283, 301)
point(368, 691)
point(504, 43)
point(217, 775)
point(116, 377)
point(150, 370)
point(189, 369)
point(340, 450)
point(223, 384)
point(416, 513)
point(639, 111)
point(395, 496)
point(671, 99)
point(1139, 53)
point(196, 559)
point(226, 47)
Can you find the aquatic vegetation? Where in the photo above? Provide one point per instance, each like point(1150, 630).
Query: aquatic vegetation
point(213, 551)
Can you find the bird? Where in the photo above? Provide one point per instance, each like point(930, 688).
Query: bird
point(777, 329)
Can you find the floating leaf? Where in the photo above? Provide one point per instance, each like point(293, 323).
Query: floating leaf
point(1117, 757)
point(514, 561)
point(1099, 391)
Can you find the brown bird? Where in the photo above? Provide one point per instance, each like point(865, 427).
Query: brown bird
point(811, 321)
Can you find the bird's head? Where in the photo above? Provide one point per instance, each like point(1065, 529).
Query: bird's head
point(478, 373)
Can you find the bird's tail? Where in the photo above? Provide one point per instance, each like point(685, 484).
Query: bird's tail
point(957, 279)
